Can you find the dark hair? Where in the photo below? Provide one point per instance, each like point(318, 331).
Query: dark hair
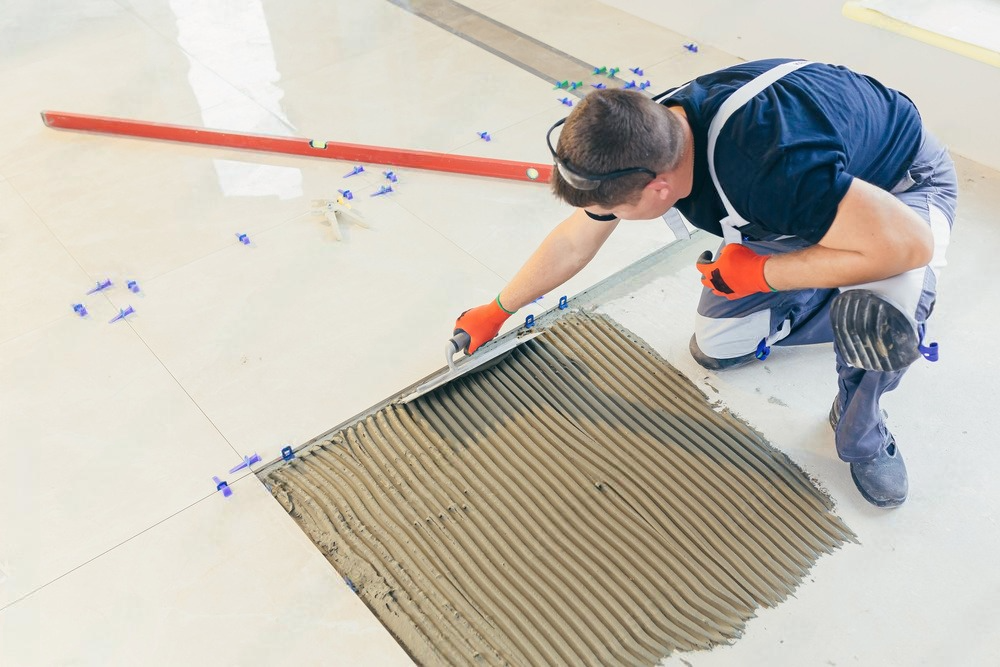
point(617, 129)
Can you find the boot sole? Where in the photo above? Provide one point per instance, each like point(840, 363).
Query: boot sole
point(871, 332)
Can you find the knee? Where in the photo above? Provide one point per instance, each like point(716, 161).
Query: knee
point(728, 342)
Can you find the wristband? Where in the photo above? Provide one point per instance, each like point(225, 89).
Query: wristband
point(509, 312)
point(765, 279)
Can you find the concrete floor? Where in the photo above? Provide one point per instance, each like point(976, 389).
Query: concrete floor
point(114, 546)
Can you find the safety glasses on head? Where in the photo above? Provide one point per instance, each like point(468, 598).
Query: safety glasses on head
point(581, 180)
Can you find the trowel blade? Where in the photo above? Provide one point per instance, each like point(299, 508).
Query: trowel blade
point(467, 364)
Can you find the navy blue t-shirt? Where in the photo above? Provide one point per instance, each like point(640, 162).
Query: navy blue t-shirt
point(787, 157)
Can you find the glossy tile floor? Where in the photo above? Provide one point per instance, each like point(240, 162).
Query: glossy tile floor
point(114, 546)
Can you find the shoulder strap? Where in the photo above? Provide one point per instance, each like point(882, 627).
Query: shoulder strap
point(659, 97)
point(742, 95)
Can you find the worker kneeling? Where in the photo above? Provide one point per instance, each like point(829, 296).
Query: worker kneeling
point(834, 203)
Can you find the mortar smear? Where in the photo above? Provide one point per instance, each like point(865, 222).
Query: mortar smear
point(579, 503)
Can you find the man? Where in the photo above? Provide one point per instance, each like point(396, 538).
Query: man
point(835, 204)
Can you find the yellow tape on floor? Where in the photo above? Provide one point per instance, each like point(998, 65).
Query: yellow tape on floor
point(857, 12)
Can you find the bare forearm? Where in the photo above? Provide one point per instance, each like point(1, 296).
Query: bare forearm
point(874, 236)
point(819, 267)
point(549, 266)
point(562, 255)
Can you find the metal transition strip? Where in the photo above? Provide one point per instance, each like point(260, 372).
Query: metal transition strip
point(579, 503)
point(514, 46)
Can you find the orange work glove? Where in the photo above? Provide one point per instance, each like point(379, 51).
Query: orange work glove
point(482, 323)
point(736, 273)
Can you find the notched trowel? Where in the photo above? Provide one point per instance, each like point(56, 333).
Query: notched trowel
point(485, 357)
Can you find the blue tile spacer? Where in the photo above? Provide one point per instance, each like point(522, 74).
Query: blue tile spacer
point(247, 462)
point(763, 350)
point(101, 286)
point(243, 238)
point(529, 321)
point(80, 309)
point(122, 314)
point(222, 486)
point(350, 584)
point(929, 352)
point(287, 453)
point(563, 303)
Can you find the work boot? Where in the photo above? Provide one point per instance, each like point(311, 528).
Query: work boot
point(882, 479)
point(713, 364)
point(872, 333)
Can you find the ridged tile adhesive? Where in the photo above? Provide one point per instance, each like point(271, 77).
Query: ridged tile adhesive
point(579, 503)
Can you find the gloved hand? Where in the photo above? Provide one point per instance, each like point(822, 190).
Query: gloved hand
point(737, 272)
point(481, 323)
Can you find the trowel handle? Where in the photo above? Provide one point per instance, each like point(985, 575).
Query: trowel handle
point(459, 341)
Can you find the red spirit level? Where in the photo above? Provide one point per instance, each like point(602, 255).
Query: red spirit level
point(397, 157)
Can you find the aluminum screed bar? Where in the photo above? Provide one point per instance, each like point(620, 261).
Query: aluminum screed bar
point(396, 157)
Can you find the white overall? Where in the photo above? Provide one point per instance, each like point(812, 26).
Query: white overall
point(730, 337)
point(733, 221)
point(738, 330)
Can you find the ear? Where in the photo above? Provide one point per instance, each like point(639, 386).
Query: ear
point(661, 187)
